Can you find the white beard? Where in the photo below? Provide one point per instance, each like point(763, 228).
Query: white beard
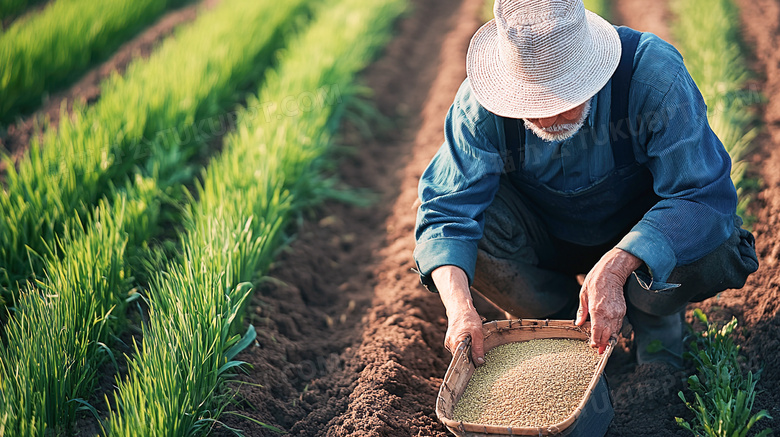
point(559, 132)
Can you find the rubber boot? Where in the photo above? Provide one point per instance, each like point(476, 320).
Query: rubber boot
point(657, 338)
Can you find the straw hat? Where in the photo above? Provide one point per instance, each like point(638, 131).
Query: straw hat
point(539, 58)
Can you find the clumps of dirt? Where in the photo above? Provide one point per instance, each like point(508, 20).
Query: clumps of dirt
point(756, 305)
point(392, 395)
point(325, 370)
point(337, 374)
point(645, 400)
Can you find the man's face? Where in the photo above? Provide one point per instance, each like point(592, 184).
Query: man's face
point(559, 127)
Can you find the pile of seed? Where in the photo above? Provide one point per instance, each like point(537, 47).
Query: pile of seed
point(532, 383)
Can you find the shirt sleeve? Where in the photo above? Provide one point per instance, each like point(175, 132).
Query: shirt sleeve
point(455, 189)
point(691, 173)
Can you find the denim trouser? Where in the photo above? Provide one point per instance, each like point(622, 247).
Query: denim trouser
point(528, 273)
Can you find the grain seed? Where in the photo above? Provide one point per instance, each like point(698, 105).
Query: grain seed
point(532, 383)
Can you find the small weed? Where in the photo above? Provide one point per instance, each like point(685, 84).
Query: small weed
point(723, 394)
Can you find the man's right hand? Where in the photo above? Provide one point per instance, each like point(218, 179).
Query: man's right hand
point(462, 318)
point(466, 324)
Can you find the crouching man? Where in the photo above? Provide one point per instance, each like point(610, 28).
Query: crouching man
point(577, 147)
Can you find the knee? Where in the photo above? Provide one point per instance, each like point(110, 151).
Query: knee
point(727, 266)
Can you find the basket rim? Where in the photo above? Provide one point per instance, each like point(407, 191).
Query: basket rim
point(463, 353)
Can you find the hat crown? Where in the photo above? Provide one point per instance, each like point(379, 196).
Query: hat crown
point(540, 40)
point(540, 58)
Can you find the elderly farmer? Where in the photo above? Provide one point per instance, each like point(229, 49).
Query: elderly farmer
point(576, 147)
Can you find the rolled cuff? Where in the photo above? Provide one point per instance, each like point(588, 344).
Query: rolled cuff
point(432, 254)
point(651, 246)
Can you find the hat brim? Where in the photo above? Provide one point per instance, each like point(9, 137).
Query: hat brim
point(502, 93)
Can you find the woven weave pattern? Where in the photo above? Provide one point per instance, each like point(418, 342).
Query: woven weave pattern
point(539, 58)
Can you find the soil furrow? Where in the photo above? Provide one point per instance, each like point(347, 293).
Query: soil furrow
point(326, 371)
point(645, 16)
point(756, 305)
point(314, 356)
point(402, 349)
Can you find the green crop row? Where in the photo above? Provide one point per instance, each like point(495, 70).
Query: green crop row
point(56, 339)
point(269, 170)
point(707, 32)
point(46, 50)
point(601, 7)
point(178, 98)
point(723, 395)
point(12, 8)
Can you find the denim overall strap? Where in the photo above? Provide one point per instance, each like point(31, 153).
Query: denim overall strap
point(622, 150)
point(515, 144)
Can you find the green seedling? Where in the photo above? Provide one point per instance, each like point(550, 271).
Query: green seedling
point(723, 393)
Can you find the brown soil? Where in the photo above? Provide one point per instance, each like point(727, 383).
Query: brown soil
point(350, 344)
point(756, 305)
point(87, 89)
point(643, 15)
point(348, 341)
point(646, 398)
point(375, 369)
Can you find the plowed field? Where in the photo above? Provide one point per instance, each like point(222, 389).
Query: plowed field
point(349, 343)
point(353, 345)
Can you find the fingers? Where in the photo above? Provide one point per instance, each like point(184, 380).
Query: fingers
point(598, 332)
point(448, 345)
point(598, 328)
point(608, 334)
point(582, 311)
point(600, 325)
point(603, 329)
point(452, 341)
point(477, 347)
point(468, 325)
point(602, 298)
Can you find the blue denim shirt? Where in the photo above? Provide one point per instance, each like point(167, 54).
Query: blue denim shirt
point(671, 136)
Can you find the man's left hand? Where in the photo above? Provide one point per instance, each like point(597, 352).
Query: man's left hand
point(602, 297)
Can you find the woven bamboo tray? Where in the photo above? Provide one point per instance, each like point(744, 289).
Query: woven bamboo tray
point(509, 331)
